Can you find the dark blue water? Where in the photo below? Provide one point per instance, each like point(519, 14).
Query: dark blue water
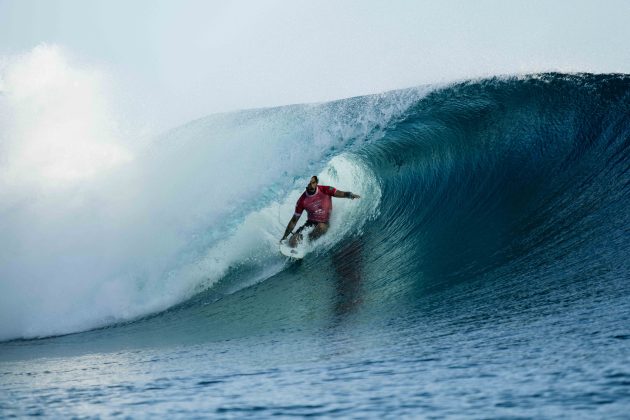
point(491, 281)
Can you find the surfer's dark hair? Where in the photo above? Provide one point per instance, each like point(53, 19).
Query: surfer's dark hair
point(316, 179)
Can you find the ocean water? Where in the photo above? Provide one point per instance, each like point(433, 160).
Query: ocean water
point(484, 272)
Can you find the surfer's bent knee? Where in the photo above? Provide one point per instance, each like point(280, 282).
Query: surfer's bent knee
point(318, 231)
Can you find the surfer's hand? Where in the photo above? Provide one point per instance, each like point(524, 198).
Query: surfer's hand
point(353, 196)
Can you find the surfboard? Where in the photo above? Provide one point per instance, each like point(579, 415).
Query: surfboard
point(298, 252)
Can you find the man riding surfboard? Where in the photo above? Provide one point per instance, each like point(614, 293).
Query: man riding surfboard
point(317, 201)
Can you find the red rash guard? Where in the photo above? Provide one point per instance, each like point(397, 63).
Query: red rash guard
point(318, 206)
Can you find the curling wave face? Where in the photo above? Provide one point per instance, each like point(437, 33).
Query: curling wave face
point(519, 175)
point(521, 181)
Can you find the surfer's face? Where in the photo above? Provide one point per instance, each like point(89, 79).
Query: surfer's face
point(312, 186)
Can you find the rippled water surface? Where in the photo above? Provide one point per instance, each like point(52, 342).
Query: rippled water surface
point(460, 353)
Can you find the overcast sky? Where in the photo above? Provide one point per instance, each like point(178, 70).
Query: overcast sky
point(173, 61)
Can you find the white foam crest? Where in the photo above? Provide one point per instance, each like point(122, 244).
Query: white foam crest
point(95, 237)
point(58, 126)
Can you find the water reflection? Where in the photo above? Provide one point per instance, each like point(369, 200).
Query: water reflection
point(348, 266)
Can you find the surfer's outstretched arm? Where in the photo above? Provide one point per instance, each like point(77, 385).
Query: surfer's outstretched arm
point(346, 194)
point(290, 226)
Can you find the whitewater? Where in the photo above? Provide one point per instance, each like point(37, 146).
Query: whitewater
point(483, 273)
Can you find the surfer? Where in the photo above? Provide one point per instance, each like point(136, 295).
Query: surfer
point(318, 204)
